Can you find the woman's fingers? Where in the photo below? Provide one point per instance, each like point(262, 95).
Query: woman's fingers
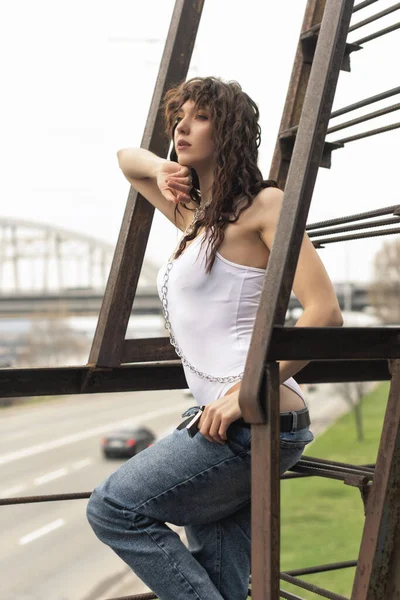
point(170, 196)
point(185, 180)
point(181, 195)
point(178, 185)
point(209, 426)
point(175, 196)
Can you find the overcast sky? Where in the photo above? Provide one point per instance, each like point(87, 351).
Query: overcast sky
point(77, 79)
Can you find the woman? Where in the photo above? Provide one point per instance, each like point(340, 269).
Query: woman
point(214, 192)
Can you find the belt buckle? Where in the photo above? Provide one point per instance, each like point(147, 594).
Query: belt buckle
point(193, 426)
point(191, 423)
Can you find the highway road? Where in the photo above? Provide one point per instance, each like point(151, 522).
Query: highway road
point(48, 550)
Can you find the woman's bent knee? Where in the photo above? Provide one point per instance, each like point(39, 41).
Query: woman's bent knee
point(103, 514)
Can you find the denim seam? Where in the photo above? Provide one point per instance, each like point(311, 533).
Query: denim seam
point(143, 504)
point(173, 563)
point(241, 529)
point(218, 553)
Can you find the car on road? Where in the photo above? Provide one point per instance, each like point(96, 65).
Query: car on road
point(125, 443)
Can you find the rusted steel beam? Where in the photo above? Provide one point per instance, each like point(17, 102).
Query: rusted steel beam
point(323, 568)
point(365, 491)
point(311, 587)
point(363, 5)
point(87, 380)
point(379, 15)
point(335, 463)
point(319, 471)
point(373, 115)
point(365, 134)
point(367, 225)
point(343, 471)
point(53, 381)
point(287, 140)
point(365, 102)
point(377, 34)
point(388, 210)
point(309, 41)
point(359, 481)
point(355, 236)
point(378, 574)
point(45, 498)
point(296, 92)
point(147, 350)
point(289, 595)
point(323, 343)
point(128, 258)
point(344, 370)
point(300, 184)
point(342, 111)
point(265, 493)
point(294, 343)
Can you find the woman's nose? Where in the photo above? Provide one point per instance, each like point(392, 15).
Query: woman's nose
point(182, 126)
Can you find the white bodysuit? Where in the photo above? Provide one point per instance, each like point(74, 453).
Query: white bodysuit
point(212, 317)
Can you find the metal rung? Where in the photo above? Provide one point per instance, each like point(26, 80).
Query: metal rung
point(288, 138)
point(380, 212)
point(309, 41)
point(377, 34)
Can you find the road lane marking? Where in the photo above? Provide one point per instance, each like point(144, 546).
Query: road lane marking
point(84, 435)
point(30, 537)
point(82, 463)
point(50, 476)
point(17, 489)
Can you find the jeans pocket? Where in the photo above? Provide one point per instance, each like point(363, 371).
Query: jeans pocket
point(296, 439)
point(292, 445)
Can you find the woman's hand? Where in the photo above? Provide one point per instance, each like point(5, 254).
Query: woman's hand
point(217, 417)
point(174, 181)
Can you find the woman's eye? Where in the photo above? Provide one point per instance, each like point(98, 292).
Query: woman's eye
point(201, 117)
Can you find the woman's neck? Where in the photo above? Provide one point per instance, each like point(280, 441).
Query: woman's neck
point(206, 181)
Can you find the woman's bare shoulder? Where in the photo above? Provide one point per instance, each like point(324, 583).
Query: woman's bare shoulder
point(268, 198)
point(266, 207)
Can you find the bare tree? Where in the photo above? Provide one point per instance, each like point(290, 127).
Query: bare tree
point(353, 393)
point(53, 342)
point(384, 292)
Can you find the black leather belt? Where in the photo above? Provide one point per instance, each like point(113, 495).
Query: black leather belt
point(290, 421)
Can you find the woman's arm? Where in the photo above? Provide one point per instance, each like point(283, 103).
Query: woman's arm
point(138, 163)
point(311, 285)
point(150, 175)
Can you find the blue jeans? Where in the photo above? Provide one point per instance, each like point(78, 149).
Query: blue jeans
point(190, 482)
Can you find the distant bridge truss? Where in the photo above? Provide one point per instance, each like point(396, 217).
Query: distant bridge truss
point(43, 265)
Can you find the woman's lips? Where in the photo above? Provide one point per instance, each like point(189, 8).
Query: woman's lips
point(182, 144)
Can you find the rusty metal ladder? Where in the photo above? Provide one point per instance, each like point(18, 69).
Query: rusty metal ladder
point(301, 149)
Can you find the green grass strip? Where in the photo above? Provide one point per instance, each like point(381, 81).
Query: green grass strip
point(322, 519)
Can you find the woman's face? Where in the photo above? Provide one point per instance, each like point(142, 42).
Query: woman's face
point(192, 137)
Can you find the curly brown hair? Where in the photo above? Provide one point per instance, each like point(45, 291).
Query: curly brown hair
point(236, 137)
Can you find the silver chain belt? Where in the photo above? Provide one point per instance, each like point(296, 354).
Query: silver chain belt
point(174, 343)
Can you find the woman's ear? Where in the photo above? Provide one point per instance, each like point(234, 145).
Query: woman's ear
point(173, 155)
